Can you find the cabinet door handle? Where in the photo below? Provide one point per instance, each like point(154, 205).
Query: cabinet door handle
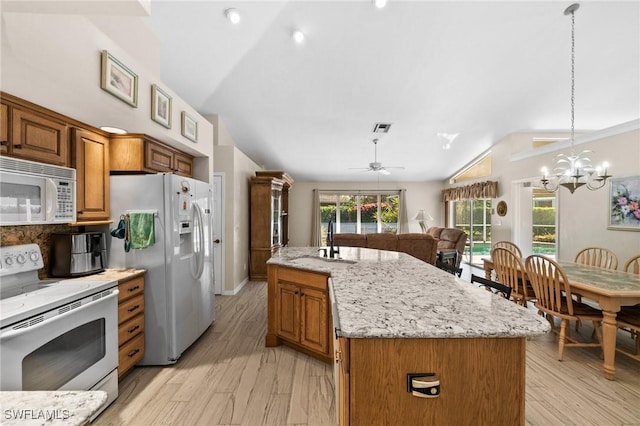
point(17, 146)
point(3, 143)
point(296, 292)
point(133, 288)
point(133, 308)
point(133, 352)
point(132, 329)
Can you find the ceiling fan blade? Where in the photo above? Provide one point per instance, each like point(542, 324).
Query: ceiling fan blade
point(377, 166)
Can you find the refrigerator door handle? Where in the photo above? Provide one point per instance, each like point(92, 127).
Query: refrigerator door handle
point(199, 252)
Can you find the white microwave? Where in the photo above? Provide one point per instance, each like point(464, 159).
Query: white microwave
point(36, 193)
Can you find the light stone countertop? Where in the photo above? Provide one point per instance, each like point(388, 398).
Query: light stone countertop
point(384, 294)
point(68, 408)
point(114, 274)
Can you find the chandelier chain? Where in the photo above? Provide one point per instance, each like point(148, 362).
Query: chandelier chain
point(573, 74)
point(575, 170)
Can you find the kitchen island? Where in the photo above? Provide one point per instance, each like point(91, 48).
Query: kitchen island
point(393, 316)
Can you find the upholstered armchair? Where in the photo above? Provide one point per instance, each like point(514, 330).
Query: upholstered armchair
point(449, 239)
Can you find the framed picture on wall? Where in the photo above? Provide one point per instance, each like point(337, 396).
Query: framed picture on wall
point(117, 79)
point(160, 106)
point(189, 127)
point(624, 204)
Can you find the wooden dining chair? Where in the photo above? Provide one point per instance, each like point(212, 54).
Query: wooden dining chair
point(493, 286)
point(509, 246)
point(510, 272)
point(629, 319)
point(553, 298)
point(632, 265)
point(597, 256)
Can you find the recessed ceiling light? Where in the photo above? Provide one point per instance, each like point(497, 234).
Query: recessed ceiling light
point(380, 3)
point(232, 15)
point(298, 36)
point(115, 130)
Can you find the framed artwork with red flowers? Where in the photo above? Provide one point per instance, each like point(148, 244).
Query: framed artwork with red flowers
point(624, 199)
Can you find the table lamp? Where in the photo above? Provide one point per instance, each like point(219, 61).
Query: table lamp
point(421, 217)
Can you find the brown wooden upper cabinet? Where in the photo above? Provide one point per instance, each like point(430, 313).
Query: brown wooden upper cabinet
point(90, 158)
point(141, 153)
point(33, 135)
point(4, 131)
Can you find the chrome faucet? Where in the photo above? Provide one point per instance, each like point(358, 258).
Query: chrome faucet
point(332, 250)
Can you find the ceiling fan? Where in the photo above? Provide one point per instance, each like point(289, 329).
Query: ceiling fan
point(376, 166)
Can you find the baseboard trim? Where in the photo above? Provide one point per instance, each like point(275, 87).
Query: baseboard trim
point(235, 290)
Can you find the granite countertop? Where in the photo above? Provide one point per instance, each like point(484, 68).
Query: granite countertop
point(394, 295)
point(33, 408)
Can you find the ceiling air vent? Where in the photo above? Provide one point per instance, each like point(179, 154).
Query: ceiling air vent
point(381, 127)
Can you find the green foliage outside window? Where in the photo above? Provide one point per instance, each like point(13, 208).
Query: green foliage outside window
point(368, 211)
point(544, 216)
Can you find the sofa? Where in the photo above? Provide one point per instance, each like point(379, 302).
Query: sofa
point(448, 239)
point(421, 246)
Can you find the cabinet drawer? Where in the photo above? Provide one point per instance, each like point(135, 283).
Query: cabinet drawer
point(130, 308)
point(309, 279)
point(130, 353)
point(130, 288)
point(129, 329)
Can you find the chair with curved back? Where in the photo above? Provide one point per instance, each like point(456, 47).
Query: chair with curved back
point(510, 272)
point(509, 246)
point(553, 298)
point(632, 265)
point(629, 316)
point(597, 256)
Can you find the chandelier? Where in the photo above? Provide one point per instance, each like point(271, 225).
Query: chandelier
point(574, 170)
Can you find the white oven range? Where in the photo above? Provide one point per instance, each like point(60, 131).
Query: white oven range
point(55, 335)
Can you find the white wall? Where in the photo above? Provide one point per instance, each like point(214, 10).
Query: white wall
point(582, 216)
point(238, 169)
point(54, 61)
point(420, 195)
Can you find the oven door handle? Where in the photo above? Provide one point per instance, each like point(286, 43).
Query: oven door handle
point(10, 333)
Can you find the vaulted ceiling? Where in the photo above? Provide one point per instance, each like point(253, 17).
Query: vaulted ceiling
point(478, 69)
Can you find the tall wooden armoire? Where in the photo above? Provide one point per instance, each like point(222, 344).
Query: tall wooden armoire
point(269, 219)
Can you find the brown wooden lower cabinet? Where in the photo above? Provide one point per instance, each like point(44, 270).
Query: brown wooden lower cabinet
point(298, 311)
point(130, 323)
point(482, 381)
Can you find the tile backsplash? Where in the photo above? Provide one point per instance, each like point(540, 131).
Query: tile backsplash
point(39, 234)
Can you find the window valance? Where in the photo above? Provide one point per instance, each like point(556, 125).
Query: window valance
point(488, 189)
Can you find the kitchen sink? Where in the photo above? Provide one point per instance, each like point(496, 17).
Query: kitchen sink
point(323, 262)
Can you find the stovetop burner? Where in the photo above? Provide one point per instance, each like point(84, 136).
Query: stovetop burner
point(22, 295)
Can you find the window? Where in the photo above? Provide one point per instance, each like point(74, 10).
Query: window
point(359, 212)
point(477, 169)
point(474, 218)
point(543, 239)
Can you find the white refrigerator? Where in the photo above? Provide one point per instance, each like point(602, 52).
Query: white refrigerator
point(179, 291)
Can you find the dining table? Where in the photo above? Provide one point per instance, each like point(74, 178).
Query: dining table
point(611, 289)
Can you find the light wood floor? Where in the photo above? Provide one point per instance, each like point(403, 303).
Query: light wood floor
point(228, 377)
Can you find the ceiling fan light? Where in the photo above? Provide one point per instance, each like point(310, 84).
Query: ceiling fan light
point(384, 171)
